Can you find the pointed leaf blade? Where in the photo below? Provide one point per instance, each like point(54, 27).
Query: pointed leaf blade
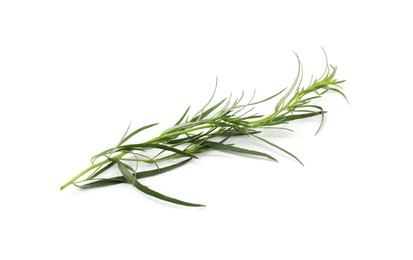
point(231, 148)
point(132, 180)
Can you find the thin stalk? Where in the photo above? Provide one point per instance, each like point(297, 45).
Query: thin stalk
point(88, 169)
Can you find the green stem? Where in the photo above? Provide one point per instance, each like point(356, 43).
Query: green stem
point(88, 169)
point(91, 167)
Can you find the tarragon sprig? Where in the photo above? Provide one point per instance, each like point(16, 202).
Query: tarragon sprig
point(210, 128)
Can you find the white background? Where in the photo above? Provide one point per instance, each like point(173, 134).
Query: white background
point(73, 74)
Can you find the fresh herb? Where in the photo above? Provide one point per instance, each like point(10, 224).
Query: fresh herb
point(208, 129)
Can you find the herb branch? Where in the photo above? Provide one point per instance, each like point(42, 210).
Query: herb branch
point(208, 129)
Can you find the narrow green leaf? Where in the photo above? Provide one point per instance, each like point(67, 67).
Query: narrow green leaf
point(101, 170)
point(266, 99)
point(209, 101)
point(279, 148)
point(120, 179)
point(231, 148)
point(322, 115)
point(135, 132)
point(101, 182)
point(293, 86)
point(252, 117)
point(124, 138)
point(341, 93)
point(154, 145)
point(237, 133)
point(310, 99)
point(183, 116)
point(132, 180)
point(187, 139)
point(207, 112)
point(150, 173)
point(103, 153)
point(301, 116)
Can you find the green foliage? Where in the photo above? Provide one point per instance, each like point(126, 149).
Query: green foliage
point(208, 129)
